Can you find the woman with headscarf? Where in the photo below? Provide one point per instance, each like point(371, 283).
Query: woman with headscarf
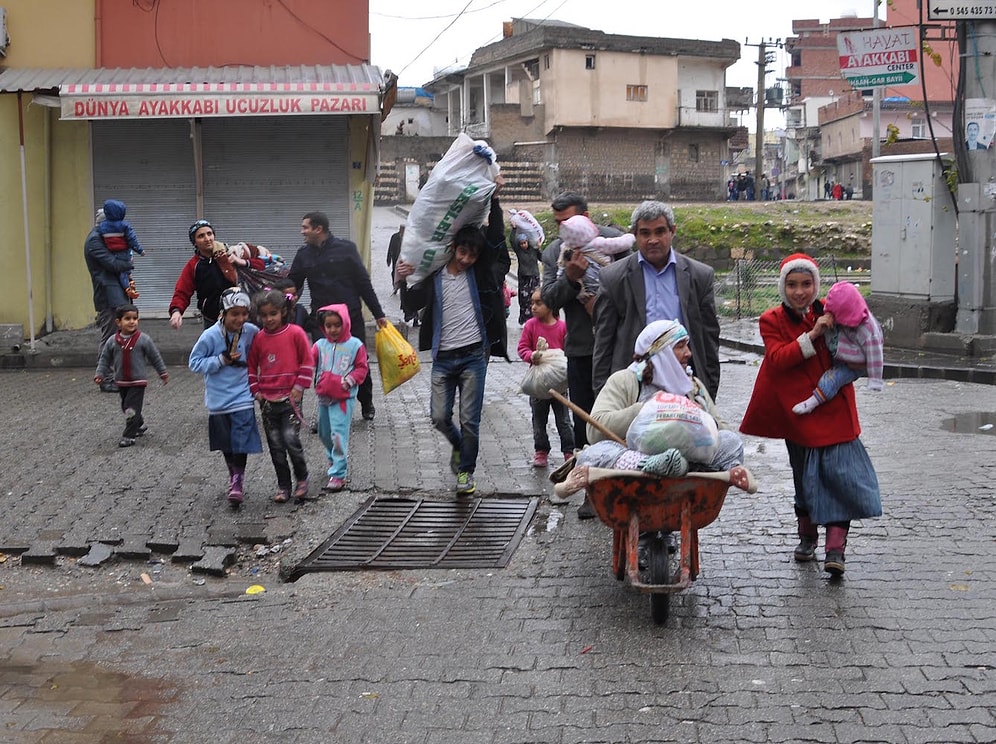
point(834, 479)
point(208, 273)
point(660, 363)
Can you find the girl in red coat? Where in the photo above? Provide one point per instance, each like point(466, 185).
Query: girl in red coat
point(832, 473)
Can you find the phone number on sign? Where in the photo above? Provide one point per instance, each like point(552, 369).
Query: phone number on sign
point(975, 11)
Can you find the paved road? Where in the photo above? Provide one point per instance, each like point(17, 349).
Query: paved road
point(549, 649)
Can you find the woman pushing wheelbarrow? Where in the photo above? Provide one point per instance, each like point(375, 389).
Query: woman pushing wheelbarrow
point(660, 463)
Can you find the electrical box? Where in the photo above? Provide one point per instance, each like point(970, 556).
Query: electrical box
point(913, 228)
point(4, 38)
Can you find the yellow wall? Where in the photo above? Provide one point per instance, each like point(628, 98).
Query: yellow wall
point(49, 34)
point(360, 189)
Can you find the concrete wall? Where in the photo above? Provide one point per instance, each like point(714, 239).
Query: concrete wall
point(575, 96)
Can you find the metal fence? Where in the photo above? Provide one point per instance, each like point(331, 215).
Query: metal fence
point(751, 285)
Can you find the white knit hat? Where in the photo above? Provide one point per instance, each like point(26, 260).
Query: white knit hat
point(797, 262)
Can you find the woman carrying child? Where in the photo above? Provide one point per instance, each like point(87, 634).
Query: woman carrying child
point(340, 362)
point(834, 479)
point(220, 355)
point(280, 370)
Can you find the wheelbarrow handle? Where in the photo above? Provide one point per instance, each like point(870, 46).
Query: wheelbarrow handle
point(586, 417)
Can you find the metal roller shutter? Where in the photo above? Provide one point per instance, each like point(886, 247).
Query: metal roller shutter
point(261, 174)
point(149, 165)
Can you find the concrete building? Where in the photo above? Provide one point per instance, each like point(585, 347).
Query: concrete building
point(829, 125)
point(615, 117)
point(246, 112)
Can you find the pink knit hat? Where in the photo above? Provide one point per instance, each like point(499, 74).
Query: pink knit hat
point(797, 262)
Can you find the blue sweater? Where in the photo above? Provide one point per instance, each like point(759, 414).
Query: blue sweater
point(226, 386)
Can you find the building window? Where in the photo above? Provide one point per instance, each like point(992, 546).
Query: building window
point(707, 101)
point(919, 129)
point(636, 93)
point(589, 61)
point(693, 153)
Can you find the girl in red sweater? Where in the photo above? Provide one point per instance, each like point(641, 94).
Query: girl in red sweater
point(832, 473)
point(280, 370)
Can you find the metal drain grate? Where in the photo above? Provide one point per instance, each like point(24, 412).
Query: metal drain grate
point(415, 533)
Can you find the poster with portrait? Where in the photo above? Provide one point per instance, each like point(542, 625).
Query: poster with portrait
point(980, 123)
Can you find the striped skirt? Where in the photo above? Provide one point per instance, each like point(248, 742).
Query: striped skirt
point(836, 483)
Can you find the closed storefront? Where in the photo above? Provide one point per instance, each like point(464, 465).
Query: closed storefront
point(260, 175)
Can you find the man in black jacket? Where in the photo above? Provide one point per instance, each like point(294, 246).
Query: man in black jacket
point(336, 275)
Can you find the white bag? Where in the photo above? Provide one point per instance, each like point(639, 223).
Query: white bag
point(673, 421)
point(457, 193)
point(549, 372)
point(523, 221)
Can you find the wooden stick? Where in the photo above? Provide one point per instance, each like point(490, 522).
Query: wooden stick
point(586, 417)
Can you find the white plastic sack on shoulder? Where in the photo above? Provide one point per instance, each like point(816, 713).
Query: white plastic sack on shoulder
point(667, 421)
point(523, 221)
point(457, 193)
point(549, 372)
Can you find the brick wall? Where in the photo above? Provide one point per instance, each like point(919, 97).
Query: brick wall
point(509, 126)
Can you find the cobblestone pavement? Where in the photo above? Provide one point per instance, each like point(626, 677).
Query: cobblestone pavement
point(550, 649)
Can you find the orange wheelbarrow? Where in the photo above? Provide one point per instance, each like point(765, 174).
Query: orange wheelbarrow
point(636, 504)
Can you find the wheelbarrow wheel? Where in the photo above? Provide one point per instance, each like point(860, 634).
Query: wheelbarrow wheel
point(659, 565)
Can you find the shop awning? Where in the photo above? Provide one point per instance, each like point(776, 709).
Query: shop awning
point(180, 93)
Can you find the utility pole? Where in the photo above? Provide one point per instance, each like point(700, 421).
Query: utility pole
point(764, 58)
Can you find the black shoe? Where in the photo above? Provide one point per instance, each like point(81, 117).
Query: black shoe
point(834, 563)
point(805, 551)
point(108, 387)
point(586, 510)
point(368, 412)
point(126, 442)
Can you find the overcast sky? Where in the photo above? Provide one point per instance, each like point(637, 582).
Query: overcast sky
point(412, 39)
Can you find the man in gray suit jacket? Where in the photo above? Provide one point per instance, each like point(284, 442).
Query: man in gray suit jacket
point(655, 284)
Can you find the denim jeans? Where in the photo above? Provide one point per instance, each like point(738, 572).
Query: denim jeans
point(835, 378)
point(561, 416)
point(283, 437)
point(466, 374)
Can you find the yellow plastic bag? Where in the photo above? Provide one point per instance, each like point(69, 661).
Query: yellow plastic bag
point(397, 359)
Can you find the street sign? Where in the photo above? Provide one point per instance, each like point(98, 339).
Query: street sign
point(879, 57)
point(960, 10)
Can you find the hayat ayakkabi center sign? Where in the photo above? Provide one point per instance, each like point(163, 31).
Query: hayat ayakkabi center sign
point(879, 57)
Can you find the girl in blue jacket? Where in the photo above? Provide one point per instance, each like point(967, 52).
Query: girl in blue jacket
point(220, 355)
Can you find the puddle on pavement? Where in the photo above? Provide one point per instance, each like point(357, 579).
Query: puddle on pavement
point(113, 705)
point(973, 422)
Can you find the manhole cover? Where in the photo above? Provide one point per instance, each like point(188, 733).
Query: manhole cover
point(415, 533)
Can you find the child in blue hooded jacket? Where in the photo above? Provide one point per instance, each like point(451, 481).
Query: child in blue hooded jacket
point(220, 355)
point(118, 236)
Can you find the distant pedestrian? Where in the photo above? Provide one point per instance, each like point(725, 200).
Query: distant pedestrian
point(827, 189)
point(119, 235)
point(341, 366)
point(527, 254)
point(834, 479)
point(335, 273)
point(105, 268)
point(545, 325)
point(280, 370)
point(838, 191)
point(124, 359)
point(220, 355)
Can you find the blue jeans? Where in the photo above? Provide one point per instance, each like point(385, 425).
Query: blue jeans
point(833, 380)
point(465, 373)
